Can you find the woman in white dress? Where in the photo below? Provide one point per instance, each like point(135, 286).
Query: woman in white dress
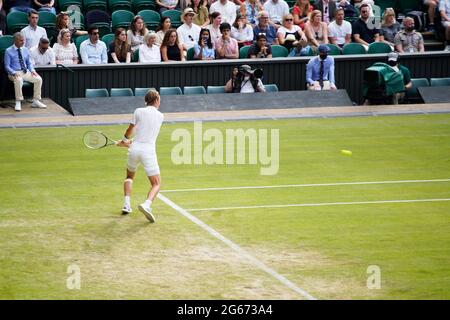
point(65, 51)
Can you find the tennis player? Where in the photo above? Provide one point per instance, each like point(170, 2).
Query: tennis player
point(146, 124)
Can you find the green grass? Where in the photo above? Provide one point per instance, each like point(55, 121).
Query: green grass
point(61, 206)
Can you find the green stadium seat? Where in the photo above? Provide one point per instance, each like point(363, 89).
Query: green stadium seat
point(141, 92)
point(243, 52)
point(79, 40)
point(175, 17)
point(121, 92)
point(139, 5)
point(190, 54)
point(353, 48)
point(279, 51)
point(151, 18)
point(135, 56)
point(115, 5)
point(440, 82)
point(170, 91)
point(383, 4)
point(16, 21)
point(334, 49)
point(406, 6)
point(64, 4)
point(96, 93)
point(108, 38)
point(216, 89)
point(47, 20)
point(89, 5)
point(194, 90)
point(412, 95)
point(121, 19)
point(6, 41)
point(379, 47)
point(271, 87)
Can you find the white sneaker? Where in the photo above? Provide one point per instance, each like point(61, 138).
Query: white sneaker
point(447, 48)
point(37, 104)
point(126, 209)
point(18, 106)
point(147, 211)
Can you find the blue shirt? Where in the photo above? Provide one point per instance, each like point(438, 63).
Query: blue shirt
point(206, 52)
point(12, 64)
point(270, 32)
point(93, 53)
point(313, 70)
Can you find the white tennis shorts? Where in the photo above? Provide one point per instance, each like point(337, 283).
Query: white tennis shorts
point(137, 156)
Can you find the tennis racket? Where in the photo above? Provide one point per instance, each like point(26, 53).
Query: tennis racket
point(97, 140)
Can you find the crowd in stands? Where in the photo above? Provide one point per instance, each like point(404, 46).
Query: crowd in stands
point(218, 29)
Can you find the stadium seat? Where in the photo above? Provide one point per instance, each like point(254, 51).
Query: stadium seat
point(194, 90)
point(64, 4)
point(121, 92)
point(16, 21)
point(108, 38)
point(77, 19)
point(216, 89)
point(271, 87)
point(383, 4)
point(279, 51)
point(353, 48)
point(79, 40)
point(6, 41)
point(141, 92)
point(96, 93)
point(409, 5)
point(47, 20)
point(100, 19)
point(334, 49)
point(115, 5)
point(190, 54)
point(243, 52)
point(379, 47)
point(139, 5)
point(94, 5)
point(151, 18)
point(440, 82)
point(121, 19)
point(412, 95)
point(135, 56)
point(169, 91)
point(175, 17)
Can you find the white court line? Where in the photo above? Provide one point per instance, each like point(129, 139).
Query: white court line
point(309, 185)
point(320, 204)
point(236, 248)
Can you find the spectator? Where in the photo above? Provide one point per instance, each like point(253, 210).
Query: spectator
point(204, 49)
point(289, 29)
point(215, 19)
point(260, 49)
point(171, 49)
point(149, 51)
point(301, 11)
point(164, 5)
point(301, 48)
point(244, 80)
point(340, 31)
point(226, 46)
point(136, 33)
point(19, 67)
point(393, 58)
point(164, 25)
point(251, 10)
point(320, 71)
point(242, 31)
point(65, 51)
point(361, 32)
point(389, 27)
point(93, 50)
point(63, 22)
point(45, 5)
point(444, 10)
point(327, 8)
point(264, 27)
point(227, 10)
point(202, 16)
point(42, 54)
point(2, 19)
point(316, 31)
point(20, 5)
point(276, 9)
point(119, 49)
point(409, 40)
point(432, 6)
point(33, 33)
point(188, 32)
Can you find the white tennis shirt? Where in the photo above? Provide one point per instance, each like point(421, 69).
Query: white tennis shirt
point(147, 123)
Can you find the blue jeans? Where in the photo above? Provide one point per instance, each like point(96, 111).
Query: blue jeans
point(49, 9)
point(22, 9)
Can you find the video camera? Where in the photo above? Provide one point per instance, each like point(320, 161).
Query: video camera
point(244, 69)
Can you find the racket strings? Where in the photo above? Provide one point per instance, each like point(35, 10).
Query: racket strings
point(95, 140)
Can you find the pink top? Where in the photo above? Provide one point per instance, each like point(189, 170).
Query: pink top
point(231, 48)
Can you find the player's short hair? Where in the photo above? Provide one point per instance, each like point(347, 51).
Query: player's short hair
point(151, 97)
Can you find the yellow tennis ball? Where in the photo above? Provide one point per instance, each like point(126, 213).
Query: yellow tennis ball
point(346, 152)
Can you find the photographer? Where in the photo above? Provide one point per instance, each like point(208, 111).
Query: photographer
point(245, 80)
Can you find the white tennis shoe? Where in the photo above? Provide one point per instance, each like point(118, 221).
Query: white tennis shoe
point(147, 211)
point(126, 209)
point(37, 104)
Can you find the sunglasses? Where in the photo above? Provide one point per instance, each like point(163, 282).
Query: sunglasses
point(95, 33)
point(288, 19)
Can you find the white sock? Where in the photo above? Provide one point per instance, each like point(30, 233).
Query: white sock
point(127, 200)
point(148, 203)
